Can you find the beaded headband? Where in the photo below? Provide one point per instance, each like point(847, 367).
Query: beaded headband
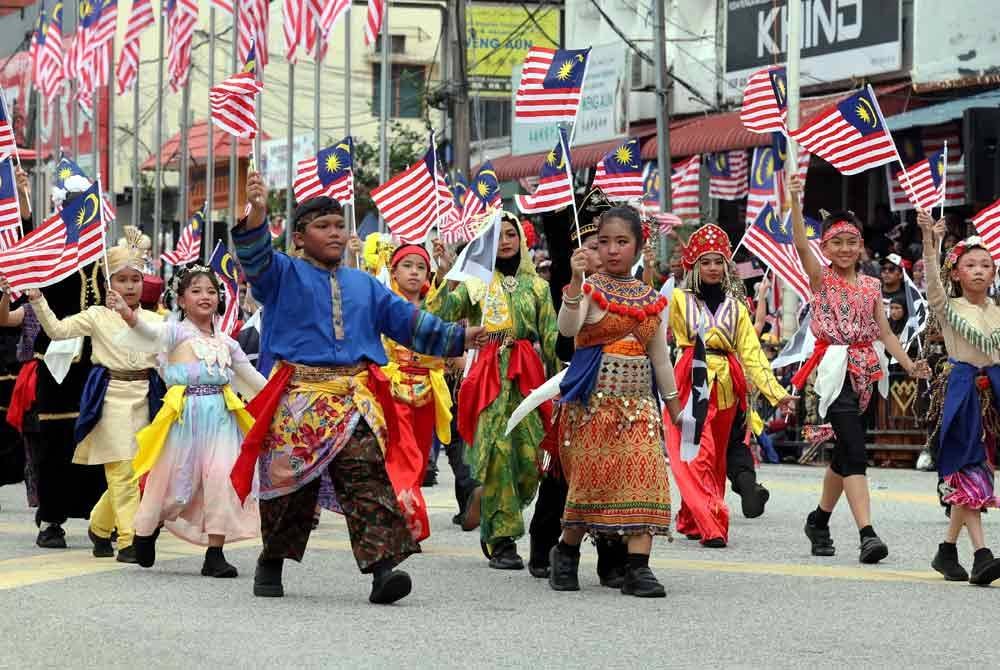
point(840, 228)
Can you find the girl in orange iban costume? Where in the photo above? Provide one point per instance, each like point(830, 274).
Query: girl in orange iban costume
point(712, 300)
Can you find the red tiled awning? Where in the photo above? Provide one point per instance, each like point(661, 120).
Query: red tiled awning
point(198, 147)
point(11, 6)
point(509, 168)
point(724, 131)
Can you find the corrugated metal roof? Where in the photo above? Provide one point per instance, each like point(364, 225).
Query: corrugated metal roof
point(943, 112)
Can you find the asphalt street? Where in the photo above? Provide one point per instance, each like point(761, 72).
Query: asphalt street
point(763, 602)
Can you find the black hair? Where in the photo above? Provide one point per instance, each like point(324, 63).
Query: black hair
point(187, 276)
point(314, 208)
point(631, 218)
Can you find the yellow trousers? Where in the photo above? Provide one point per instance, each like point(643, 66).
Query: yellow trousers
point(118, 505)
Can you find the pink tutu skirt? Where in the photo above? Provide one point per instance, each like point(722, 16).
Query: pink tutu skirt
point(970, 487)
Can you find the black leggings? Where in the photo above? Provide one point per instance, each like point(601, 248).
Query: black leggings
point(850, 453)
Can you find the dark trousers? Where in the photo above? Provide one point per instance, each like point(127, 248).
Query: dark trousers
point(850, 451)
point(374, 521)
point(65, 490)
point(738, 456)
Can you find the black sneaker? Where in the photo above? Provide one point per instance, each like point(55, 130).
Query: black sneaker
point(127, 555)
point(145, 548)
point(215, 564)
point(102, 546)
point(873, 550)
point(946, 562)
point(505, 557)
point(613, 579)
point(822, 543)
point(563, 576)
point(51, 537)
point(714, 543)
point(267, 579)
point(389, 587)
point(985, 568)
point(642, 583)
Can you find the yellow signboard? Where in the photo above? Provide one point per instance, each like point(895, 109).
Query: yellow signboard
point(499, 37)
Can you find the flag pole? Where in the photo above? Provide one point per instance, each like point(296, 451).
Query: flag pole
point(569, 176)
point(317, 81)
point(136, 176)
point(182, 168)
point(158, 146)
point(944, 178)
point(208, 234)
point(109, 152)
point(74, 104)
point(793, 29)
point(104, 234)
point(290, 167)
point(347, 112)
point(234, 167)
point(385, 68)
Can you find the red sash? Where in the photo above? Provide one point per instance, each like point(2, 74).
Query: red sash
point(482, 386)
point(682, 373)
point(23, 395)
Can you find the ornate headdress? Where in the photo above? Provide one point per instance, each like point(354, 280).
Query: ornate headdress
point(709, 239)
point(132, 251)
point(591, 209)
point(376, 252)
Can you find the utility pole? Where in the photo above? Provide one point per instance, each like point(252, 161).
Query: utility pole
point(789, 299)
point(662, 117)
point(385, 71)
point(461, 131)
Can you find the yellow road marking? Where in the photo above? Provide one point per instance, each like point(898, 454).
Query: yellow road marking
point(878, 494)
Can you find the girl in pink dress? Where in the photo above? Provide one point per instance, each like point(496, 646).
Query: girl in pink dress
point(852, 335)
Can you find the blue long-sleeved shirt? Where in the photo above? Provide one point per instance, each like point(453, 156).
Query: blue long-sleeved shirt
point(322, 318)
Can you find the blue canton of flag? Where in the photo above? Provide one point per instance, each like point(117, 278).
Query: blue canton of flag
point(226, 270)
point(619, 173)
point(567, 69)
point(770, 239)
point(718, 164)
point(10, 211)
point(329, 172)
point(555, 182)
point(460, 189)
point(779, 84)
point(66, 169)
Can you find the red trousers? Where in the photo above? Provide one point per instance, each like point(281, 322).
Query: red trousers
point(406, 464)
point(702, 482)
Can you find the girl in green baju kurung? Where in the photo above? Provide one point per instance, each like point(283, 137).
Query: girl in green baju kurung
point(516, 309)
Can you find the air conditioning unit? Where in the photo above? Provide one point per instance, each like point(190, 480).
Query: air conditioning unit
point(643, 74)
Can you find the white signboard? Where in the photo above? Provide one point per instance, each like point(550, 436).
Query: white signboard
point(959, 40)
point(602, 114)
point(274, 158)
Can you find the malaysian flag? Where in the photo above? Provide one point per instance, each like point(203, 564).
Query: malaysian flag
point(924, 182)
point(685, 189)
point(555, 182)
point(254, 18)
point(188, 249)
point(770, 239)
point(914, 145)
point(297, 15)
point(953, 184)
point(851, 135)
point(35, 47)
point(651, 185)
point(551, 80)
point(780, 144)
point(139, 20)
point(460, 189)
point(8, 144)
point(10, 209)
point(765, 101)
point(227, 272)
point(373, 21)
point(727, 175)
point(482, 196)
point(763, 186)
point(619, 174)
point(987, 224)
point(182, 16)
point(232, 101)
point(98, 22)
point(52, 73)
point(65, 169)
point(409, 202)
point(70, 239)
point(327, 17)
point(330, 172)
point(107, 211)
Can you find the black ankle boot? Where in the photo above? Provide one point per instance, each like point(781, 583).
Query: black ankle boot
point(565, 568)
point(267, 578)
point(145, 548)
point(389, 585)
point(946, 562)
point(640, 580)
point(985, 568)
point(505, 556)
point(612, 556)
point(216, 565)
point(538, 558)
point(102, 545)
point(753, 495)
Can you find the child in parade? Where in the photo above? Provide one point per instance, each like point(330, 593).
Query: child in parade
point(328, 406)
point(712, 302)
point(852, 335)
point(611, 444)
point(117, 400)
point(517, 311)
point(190, 447)
point(420, 392)
point(966, 436)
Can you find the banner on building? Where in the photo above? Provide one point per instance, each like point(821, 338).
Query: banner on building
point(841, 39)
point(274, 158)
point(498, 38)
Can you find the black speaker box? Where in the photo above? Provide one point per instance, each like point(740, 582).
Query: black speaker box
point(980, 134)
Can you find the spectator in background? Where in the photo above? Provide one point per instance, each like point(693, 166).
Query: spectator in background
point(892, 280)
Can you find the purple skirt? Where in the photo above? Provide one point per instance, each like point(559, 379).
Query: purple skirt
point(970, 487)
